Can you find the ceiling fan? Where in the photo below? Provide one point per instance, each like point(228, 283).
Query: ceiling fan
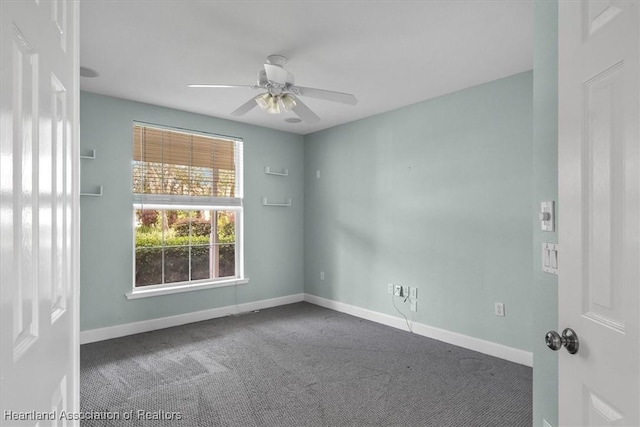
point(281, 93)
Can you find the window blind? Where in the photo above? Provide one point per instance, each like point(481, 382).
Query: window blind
point(173, 165)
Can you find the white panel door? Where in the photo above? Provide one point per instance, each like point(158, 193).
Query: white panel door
point(599, 238)
point(39, 215)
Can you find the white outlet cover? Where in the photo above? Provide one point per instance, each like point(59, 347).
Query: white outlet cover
point(413, 306)
point(499, 309)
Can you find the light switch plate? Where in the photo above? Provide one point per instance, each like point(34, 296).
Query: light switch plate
point(547, 216)
point(550, 258)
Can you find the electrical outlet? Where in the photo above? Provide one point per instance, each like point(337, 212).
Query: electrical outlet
point(414, 305)
point(499, 309)
point(322, 275)
point(397, 290)
point(405, 291)
point(390, 288)
point(413, 292)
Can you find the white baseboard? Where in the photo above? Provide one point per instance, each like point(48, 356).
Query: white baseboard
point(117, 331)
point(487, 347)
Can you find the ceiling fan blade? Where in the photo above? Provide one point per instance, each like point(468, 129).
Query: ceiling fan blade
point(328, 95)
point(222, 86)
point(245, 108)
point(276, 73)
point(302, 111)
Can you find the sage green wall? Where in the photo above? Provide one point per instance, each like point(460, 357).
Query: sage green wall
point(436, 195)
point(273, 237)
point(545, 187)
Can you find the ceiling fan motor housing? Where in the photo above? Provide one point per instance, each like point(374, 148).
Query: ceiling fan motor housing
point(278, 60)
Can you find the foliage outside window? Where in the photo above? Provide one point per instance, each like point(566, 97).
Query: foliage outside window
point(187, 207)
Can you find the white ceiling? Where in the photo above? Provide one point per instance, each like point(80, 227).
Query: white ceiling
point(389, 54)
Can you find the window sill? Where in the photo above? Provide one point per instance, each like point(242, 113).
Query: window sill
point(167, 290)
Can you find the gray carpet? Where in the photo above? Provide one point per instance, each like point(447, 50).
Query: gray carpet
point(297, 365)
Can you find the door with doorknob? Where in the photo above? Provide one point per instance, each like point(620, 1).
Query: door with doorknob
point(599, 201)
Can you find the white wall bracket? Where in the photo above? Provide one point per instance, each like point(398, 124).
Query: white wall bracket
point(286, 204)
point(91, 155)
point(98, 194)
point(268, 171)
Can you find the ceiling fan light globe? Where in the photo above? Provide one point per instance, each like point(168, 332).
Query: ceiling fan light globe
point(274, 107)
point(263, 100)
point(288, 102)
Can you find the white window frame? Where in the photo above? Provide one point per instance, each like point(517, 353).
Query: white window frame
point(184, 202)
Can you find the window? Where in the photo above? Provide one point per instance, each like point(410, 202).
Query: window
point(187, 192)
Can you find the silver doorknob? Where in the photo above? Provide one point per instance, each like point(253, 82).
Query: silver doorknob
point(569, 340)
